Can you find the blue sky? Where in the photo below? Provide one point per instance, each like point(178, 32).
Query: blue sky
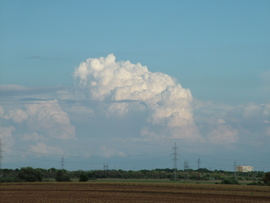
point(218, 51)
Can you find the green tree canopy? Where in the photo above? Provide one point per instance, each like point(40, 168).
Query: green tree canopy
point(29, 174)
point(62, 176)
point(266, 178)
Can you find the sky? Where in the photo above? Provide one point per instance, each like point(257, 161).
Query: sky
point(120, 82)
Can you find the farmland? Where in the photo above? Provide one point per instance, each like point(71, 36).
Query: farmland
point(131, 192)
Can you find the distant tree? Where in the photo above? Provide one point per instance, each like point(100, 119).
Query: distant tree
point(230, 181)
point(29, 174)
point(62, 176)
point(91, 175)
point(83, 177)
point(52, 170)
point(266, 178)
point(203, 170)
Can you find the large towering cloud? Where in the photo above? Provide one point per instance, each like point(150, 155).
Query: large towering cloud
point(124, 86)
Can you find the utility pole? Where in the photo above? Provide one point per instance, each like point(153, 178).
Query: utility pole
point(199, 163)
point(175, 159)
point(62, 162)
point(1, 158)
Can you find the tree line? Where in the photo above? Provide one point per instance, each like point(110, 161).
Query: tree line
point(29, 174)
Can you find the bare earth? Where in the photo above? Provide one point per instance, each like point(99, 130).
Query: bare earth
point(131, 192)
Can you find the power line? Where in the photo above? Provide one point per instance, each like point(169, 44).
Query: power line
point(121, 159)
point(222, 158)
point(143, 155)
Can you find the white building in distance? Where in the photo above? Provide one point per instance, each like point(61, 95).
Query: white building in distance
point(244, 168)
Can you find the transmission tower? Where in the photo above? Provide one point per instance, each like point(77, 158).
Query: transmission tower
point(175, 159)
point(235, 168)
point(1, 157)
point(210, 172)
point(186, 167)
point(62, 162)
point(199, 163)
point(106, 168)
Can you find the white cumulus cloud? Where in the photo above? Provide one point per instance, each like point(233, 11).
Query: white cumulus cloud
point(17, 115)
point(41, 148)
point(267, 130)
point(109, 152)
point(1, 112)
point(6, 134)
point(48, 116)
point(44, 117)
point(223, 134)
point(33, 136)
point(123, 85)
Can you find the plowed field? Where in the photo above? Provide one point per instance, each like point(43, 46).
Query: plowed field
point(131, 192)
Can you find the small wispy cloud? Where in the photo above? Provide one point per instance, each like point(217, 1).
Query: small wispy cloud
point(10, 88)
point(266, 76)
point(18, 90)
point(33, 57)
point(36, 57)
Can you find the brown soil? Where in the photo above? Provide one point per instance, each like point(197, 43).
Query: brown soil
point(131, 192)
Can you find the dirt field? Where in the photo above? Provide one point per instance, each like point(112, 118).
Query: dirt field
point(131, 192)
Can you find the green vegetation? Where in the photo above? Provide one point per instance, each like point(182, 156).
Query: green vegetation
point(266, 178)
point(25, 174)
point(83, 177)
point(62, 176)
point(28, 174)
point(230, 181)
point(203, 175)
